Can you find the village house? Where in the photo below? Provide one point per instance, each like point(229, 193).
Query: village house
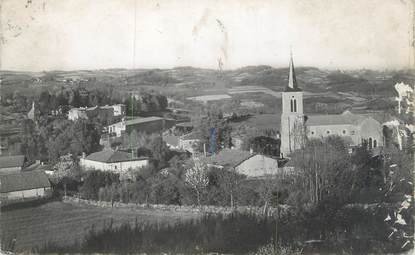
point(113, 160)
point(77, 113)
point(103, 112)
point(247, 163)
point(22, 186)
point(142, 124)
point(12, 164)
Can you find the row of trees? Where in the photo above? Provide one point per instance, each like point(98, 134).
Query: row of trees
point(48, 101)
point(145, 102)
point(52, 138)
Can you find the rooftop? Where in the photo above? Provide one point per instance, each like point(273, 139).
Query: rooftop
point(142, 120)
point(12, 161)
point(229, 157)
point(112, 156)
point(346, 118)
point(23, 181)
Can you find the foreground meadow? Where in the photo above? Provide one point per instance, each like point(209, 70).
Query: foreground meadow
point(65, 224)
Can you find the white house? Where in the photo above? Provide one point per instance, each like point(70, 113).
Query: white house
point(77, 113)
point(257, 166)
point(246, 163)
point(106, 111)
point(24, 186)
point(113, 160)
point(188, 142)
point(119, 109)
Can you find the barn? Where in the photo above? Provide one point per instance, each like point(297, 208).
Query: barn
point(113, 160)
point(11, 164)
point(24, 186)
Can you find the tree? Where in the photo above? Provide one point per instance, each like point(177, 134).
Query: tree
point(197, 177)
point(214, 131)
point(160, 151)
point(228, 181)
point(94, 180)
point(266, 145)
point(322, 169)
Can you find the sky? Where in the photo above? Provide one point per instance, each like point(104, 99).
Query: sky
point(41, 35)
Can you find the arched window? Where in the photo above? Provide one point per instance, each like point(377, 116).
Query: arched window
point(375, 143)
point(370, 143)
point(292, 105)
point(295, 105)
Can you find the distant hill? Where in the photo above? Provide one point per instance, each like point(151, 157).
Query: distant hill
point(365, 82)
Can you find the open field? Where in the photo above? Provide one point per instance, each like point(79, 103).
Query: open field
point(63, 224)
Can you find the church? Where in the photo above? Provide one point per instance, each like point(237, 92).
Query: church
point(356, 129)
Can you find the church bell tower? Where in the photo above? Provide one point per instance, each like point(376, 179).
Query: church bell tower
point(292, 117)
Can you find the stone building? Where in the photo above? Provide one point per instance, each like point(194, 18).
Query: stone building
point(356, 129)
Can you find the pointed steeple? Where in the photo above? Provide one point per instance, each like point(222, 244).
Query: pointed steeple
point(292, 81)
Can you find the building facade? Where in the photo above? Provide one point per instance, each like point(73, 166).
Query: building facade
point(296, 127)
point(355, 129)
point(24, 186)
point(292, 117)
point(112, 160)
point(257, 166)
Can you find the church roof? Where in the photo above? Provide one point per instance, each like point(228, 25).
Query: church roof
point(346, 118)
point(292, 85)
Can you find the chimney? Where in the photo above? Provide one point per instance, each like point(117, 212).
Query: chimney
point(251, 151)
point(83, 155)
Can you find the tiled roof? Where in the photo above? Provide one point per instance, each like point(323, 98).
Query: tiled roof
point(229, 157)
point(347, 118)
point(112, 156)
point(23, 181)
point(12, 161)
point(142, 120)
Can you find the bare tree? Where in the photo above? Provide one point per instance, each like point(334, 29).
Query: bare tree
point(197, 177)
point(229, 182)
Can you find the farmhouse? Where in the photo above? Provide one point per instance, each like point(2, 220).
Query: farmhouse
point(11, 164)
point(113, 160)
point(246, 163)
point(24, 186)
point(141, 124)
point(257, 165)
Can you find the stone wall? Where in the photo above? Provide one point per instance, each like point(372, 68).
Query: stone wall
point(270, 211)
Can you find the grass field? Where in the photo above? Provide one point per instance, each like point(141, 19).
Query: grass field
point(63, 223)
